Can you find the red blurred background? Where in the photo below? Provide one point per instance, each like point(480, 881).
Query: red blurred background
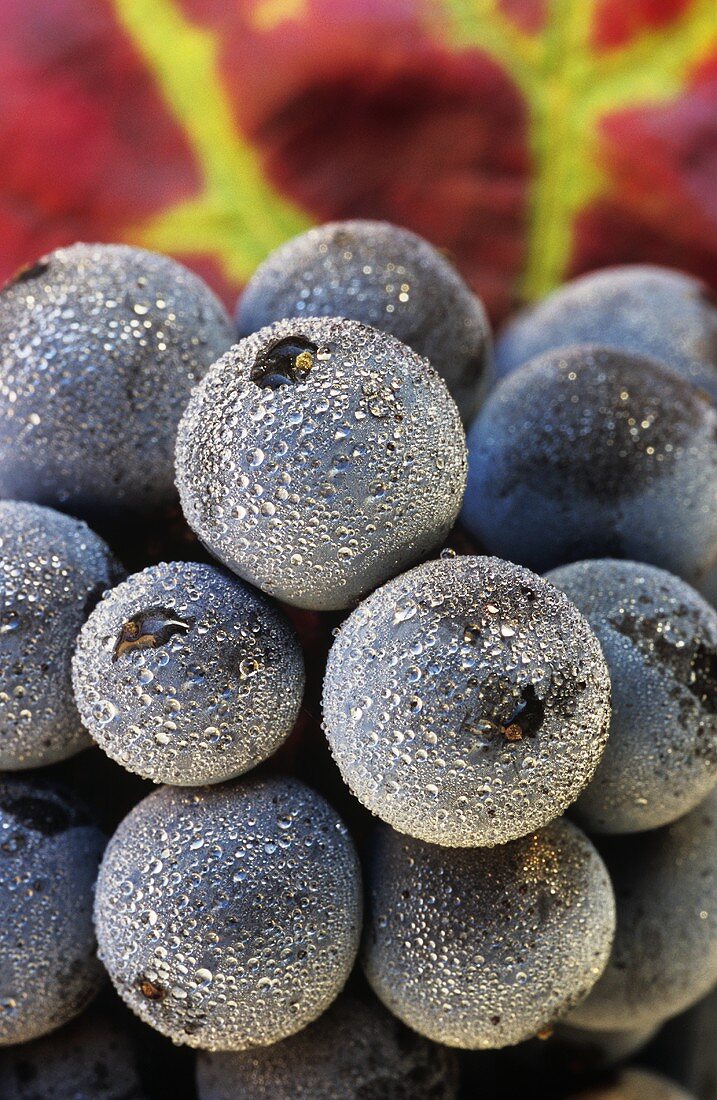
point(533, 140)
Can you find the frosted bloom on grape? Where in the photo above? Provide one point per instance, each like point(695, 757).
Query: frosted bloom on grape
point(186, 675)
point(49, 855)
point(659, 638)
point(467, 702)
point(486, 947)
point(229, 917)
point(664, 958)
point(320, 457)
point(384, 276)
point(100, 345)
point(355, 1051)
point(590, 452)
point(53, 569)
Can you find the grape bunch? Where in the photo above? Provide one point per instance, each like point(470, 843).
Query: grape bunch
point(346, 756)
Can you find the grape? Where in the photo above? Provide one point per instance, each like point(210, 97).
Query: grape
point(186, 675)
point(53, 570)
point(49, 855)
point(466, 702)
point(384, 276)
point(486, 947)
point(660, 642)
point(89, 1059)
point(101, 345)
point(638, 308)
point(229, 916)
point(587, 452)
point(355, 1051)
point(665, 953)
point(318, 458)
point(636, 1084)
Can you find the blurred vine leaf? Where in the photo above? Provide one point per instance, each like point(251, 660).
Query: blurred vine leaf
point(531, 138)
point(576, 68)
point(237, 215)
